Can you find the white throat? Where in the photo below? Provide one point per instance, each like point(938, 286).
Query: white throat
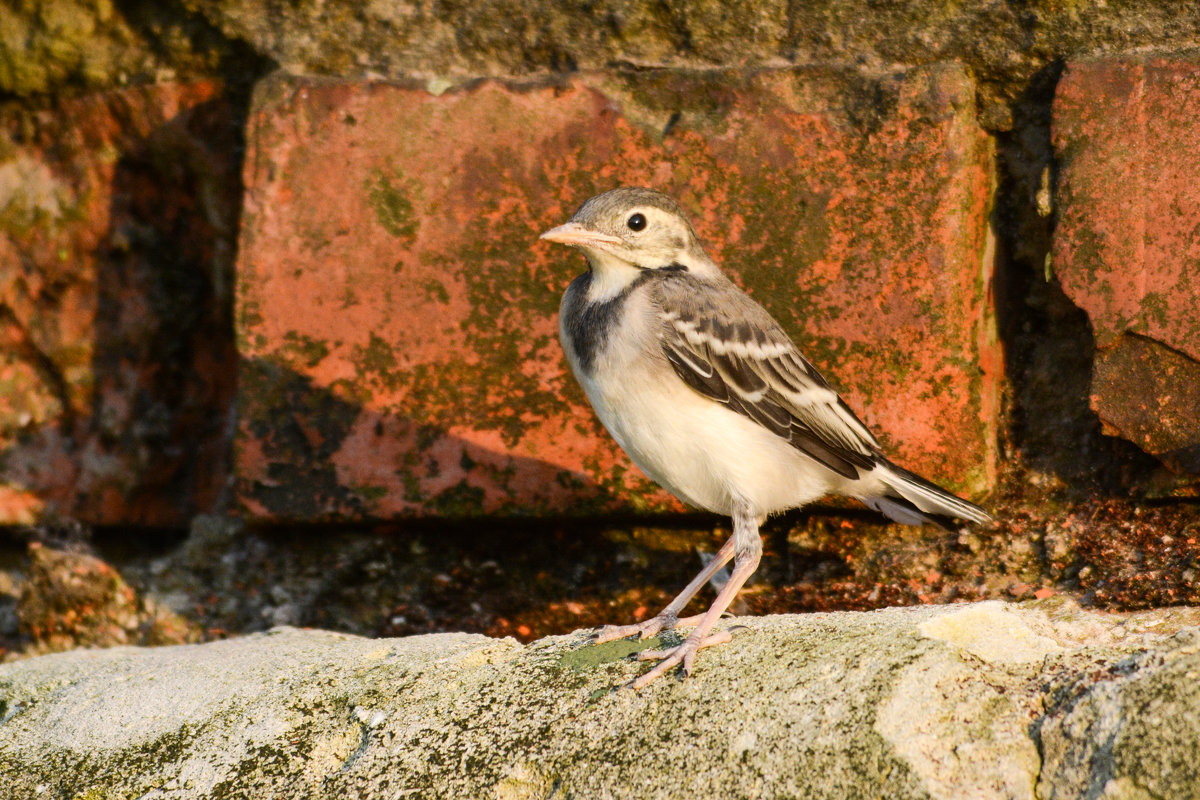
point(610, 275)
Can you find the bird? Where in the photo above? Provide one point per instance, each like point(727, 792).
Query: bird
point(709, 396)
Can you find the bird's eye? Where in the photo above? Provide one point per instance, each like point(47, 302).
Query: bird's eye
point(636, 222)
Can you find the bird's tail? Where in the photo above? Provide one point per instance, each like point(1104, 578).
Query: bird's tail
point(912, 500)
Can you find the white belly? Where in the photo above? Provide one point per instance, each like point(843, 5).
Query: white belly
point(696, 448)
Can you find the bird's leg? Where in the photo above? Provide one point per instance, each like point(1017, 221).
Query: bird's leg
point(668, 618)
point(747, 552)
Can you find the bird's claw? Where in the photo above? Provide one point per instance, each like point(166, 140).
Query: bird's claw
point(683, 654)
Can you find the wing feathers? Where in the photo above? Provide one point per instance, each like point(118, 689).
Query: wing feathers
point(740, 374)
point(696, 372)
point(726, 347)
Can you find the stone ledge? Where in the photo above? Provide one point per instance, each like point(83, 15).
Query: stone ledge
point(1004, 45)
point(980, 700)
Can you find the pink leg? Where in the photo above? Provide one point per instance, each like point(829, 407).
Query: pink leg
point(748, 552)
point(668, 618)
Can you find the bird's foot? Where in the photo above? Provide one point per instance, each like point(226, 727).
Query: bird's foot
point(684, 654)
point(644, 630)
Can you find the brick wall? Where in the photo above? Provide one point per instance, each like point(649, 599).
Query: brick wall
point(393, 344)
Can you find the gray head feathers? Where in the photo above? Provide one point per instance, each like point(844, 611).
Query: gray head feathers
point(634, 226)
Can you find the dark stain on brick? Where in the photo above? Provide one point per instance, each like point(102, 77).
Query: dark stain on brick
point(299, 427)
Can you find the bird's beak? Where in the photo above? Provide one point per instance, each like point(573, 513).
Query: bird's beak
point(574, 234)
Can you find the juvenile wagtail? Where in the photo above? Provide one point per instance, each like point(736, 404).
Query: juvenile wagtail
point(711, 399)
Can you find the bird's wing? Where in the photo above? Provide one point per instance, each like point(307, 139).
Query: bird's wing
point(728, 348)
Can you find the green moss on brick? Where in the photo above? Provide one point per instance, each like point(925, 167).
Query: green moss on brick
point(249, 318)
point(460, 500)
point(301, 351)
point(377, 365)
point(435, 291)
point(389, 197)
point(502, 297)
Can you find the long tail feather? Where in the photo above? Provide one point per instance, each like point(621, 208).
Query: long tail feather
point(917, 500)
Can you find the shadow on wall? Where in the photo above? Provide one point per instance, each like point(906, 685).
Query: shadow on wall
point(124, 299)
point(308, 453)
point(164, 348)
point(1048, 342)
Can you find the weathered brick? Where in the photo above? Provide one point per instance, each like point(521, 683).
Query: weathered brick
point(117, 217)
point(396, 313)
point(1127, 243)
point(1150, 395)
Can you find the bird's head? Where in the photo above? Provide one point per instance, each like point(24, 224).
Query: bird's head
point(628, 230)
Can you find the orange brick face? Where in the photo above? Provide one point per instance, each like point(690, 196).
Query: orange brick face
point(397, 315)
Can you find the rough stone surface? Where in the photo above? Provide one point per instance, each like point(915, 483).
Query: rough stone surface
point(986, 701)
point(117, 217)
point(1004, 44)
point(397, 316)
point(49, 46)
point(73, 599)
point(1127, 245)
point(52, 46)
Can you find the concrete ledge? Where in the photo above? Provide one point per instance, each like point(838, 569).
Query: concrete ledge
point(981, 700)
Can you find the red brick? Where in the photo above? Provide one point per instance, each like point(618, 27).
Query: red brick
point(1127, 243)
point(1150, 395)
point(117, 213)
point(397, 313)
